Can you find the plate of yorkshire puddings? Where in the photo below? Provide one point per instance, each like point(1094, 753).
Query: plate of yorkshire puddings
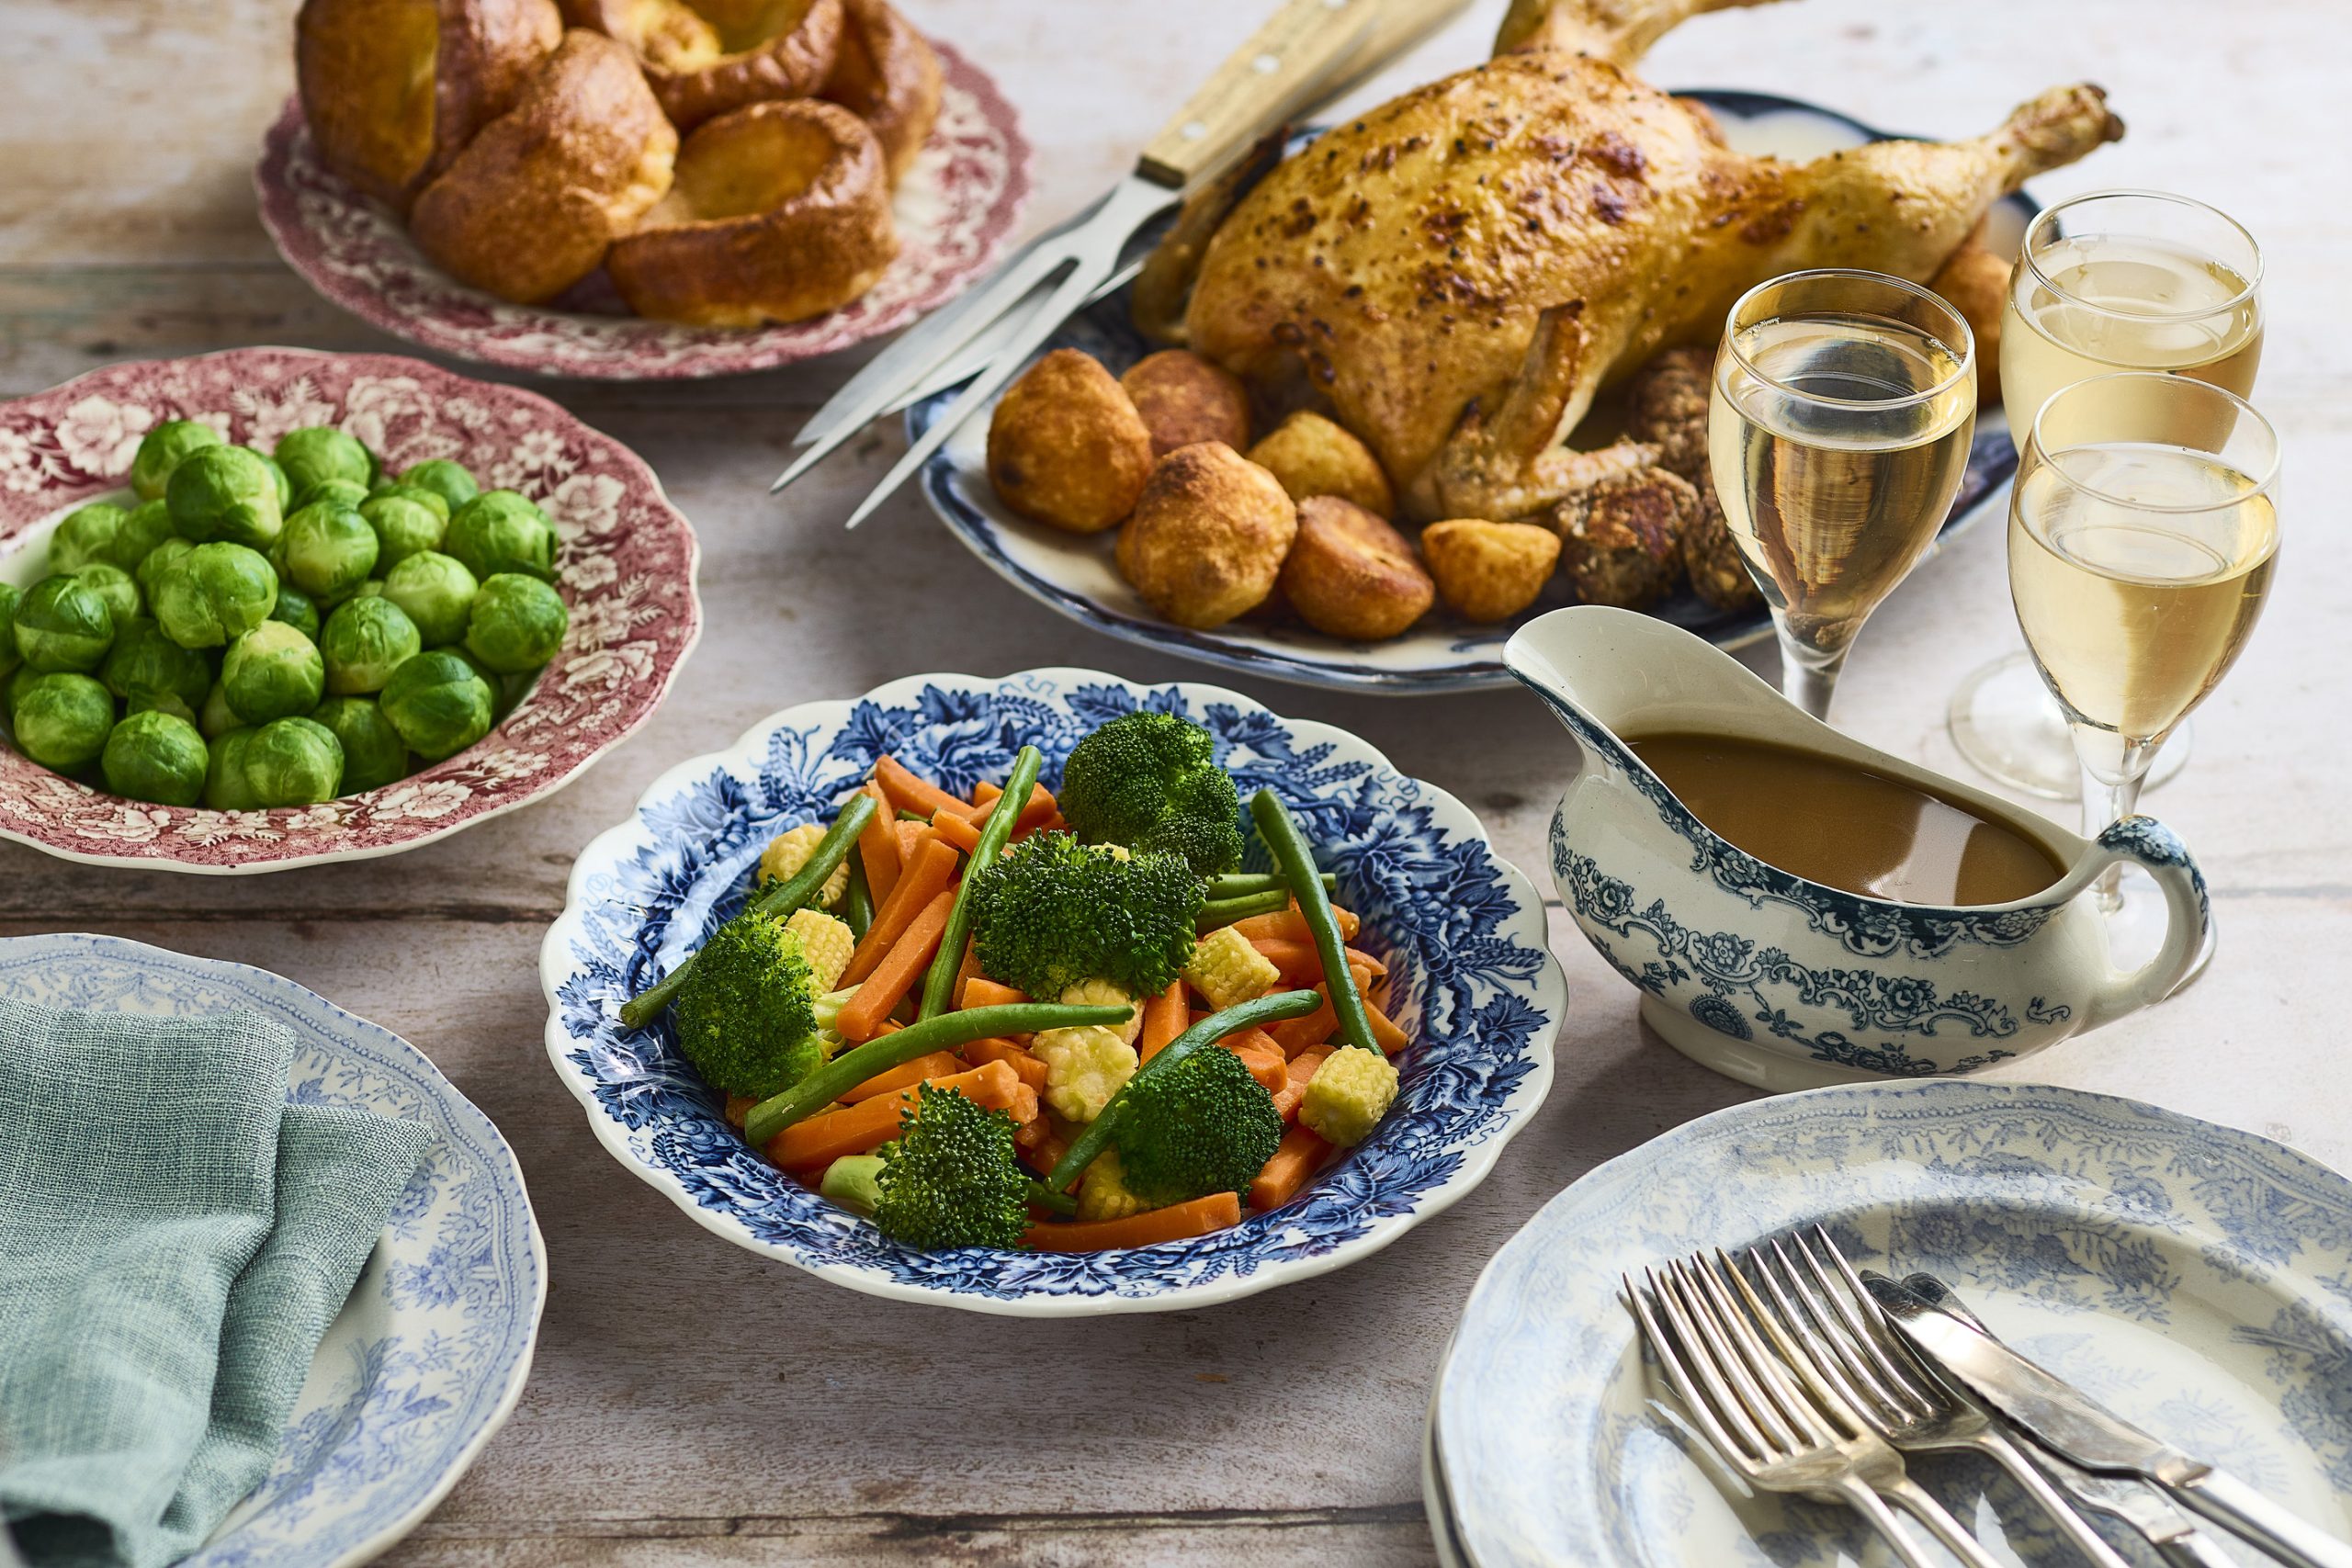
point(636, 189)
point(1146, 491)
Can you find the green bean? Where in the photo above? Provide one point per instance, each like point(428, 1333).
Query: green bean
point(1272, 1008)
point(1290, 853)
point(776, 901)
point(907, 816)
point(1224, 911)
point(1059, 1202)
point(939, 986)
point(857, 904)
point(884, 1052)
point(1239, 884)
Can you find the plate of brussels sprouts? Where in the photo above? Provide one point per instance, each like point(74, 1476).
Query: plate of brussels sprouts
point(271, 607)
point(1229, 1002)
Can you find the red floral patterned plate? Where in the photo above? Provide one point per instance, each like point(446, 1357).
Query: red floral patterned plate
point(958, 206)
point(624, 562)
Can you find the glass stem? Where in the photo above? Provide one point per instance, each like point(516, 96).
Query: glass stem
point(1808, 676)
point(2108, 798)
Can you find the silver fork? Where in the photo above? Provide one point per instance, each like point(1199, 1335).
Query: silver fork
point(1906, 1403)
point(1764, 1427)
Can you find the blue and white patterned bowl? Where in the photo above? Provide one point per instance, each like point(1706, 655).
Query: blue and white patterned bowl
point(1462, 931)
point(2196, 1278)
point(429, 1353)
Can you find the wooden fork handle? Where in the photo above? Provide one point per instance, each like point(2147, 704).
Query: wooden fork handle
point(1397, 27)
point(1260, 84)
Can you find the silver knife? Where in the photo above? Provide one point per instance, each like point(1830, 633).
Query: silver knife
point(2064, 1419)
point(2136, 1502)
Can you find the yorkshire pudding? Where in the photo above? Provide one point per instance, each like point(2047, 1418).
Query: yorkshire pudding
point(706, 57)
point(781, 211)
point(531, 205)
point(394, 89)
point(886, 75)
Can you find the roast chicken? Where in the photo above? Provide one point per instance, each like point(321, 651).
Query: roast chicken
point(1456, 274)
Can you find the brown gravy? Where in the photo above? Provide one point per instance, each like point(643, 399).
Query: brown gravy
point(1845, 827)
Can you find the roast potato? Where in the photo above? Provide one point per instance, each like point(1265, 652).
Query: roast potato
point(1351, 575)
point(1621, 541)
point(394, 89)
point(532, 204)
point(1975, 282)
point(1313, 456)
point(1208, 535)
point(778, 212)
point(706, 57)
point(1067, 446)
point(1184, 399)
point(885, 74)
point(1490, 572)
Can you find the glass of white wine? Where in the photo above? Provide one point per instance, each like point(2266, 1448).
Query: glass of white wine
point(2143, 532)
point(2114, 280)
point(1838, 433)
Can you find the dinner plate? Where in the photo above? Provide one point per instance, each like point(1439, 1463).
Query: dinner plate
point(955, 209)
point(625, 562)
point(429, 1353)
point(1077, 577)
point(1462, 931)
point(2194, 1277)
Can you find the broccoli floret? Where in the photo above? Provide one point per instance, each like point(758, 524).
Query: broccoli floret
point(1054, 912)
point(1204, 1125)
point(747, 1015)
point(1150, 781)
point(952, 1177)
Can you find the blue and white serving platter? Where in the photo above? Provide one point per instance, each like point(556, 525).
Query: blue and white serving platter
point(428, 1356)
point(1462, 931)
point(2196, 1278)
point(1076, 577)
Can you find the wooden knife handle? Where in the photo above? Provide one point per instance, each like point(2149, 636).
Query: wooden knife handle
point(1260, 84)
point(1397, 27)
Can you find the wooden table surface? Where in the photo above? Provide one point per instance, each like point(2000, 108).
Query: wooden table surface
point(693, 1402)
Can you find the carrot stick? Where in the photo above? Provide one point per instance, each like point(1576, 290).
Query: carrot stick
point(965, 972)
point(1289, 925)
point(1266, 1061)
point(1181, 1222)
point(878, 847)
point(927, 875)
point(1165, 1016)
point(855, 1129)
point(1293, 1089)
point(1057, 823)
point(1043, 1143)
point(910, 836)
point(938, 1065)
point(1025, 1107)
point(1385, 1033)
point(994, 1048)
point(1300, 964)
point(1296, 1035)
point(957, 831)
point(891, 978)
point(907, 791)
point(1296, 1158)
point(980, 992)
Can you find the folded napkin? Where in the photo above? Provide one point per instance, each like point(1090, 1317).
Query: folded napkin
point(174, 1239)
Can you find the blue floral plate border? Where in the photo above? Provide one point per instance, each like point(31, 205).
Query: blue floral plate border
point(430, 1352)
point(1462, 932)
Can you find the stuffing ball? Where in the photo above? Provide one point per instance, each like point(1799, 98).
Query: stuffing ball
point(1351, 575)
point(1490, 572)
point(1665, 405)
point(1311, 455)
point(1718, 574)
point(1184, 399)
point(1620, 541)
point(1208, 535)
point(1066, 445)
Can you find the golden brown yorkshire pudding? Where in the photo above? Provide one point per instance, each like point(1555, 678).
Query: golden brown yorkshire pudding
point(531, 205)
point(886, 75)
point(704, 58)
point(781, 211)
point(394, 89)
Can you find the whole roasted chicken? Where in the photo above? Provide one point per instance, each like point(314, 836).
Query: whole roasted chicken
point(1455, 273)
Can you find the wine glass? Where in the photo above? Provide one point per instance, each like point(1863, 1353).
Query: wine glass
point(2143, 532)
point(1837, 431)
point(2114, 280)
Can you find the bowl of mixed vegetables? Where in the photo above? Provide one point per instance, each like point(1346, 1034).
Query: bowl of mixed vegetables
point(1052, 995)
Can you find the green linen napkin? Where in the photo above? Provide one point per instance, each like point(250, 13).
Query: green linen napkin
point(174, 1239)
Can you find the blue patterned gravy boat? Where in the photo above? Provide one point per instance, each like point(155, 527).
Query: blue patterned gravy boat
point(1786, 983)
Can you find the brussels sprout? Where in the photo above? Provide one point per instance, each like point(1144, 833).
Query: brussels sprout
point(113, 586)
point(438, 704)
point(439, 503)
point(10, 596)
point(160, 451)
point(501, 531)
point(291, 761)
point(365, 641)
point(445, 478)
point(146, 530)
point(25, 676)
point(283, 486)
point(517, 623)
point(87, 534)
point(404, 526)
point(320, 453)
point(162, 703)
point(272, 672)
point(296, 609)
point(226, 787)
point(162, 556)
point(61, 720)
point(62, 623)
point(214, 594)
point(146, 666)
point(340, 492)
point(226, 493)
point(155, 757)
point(373, 752)
point(437, 591)
point(329, 549)
point(216, 717)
